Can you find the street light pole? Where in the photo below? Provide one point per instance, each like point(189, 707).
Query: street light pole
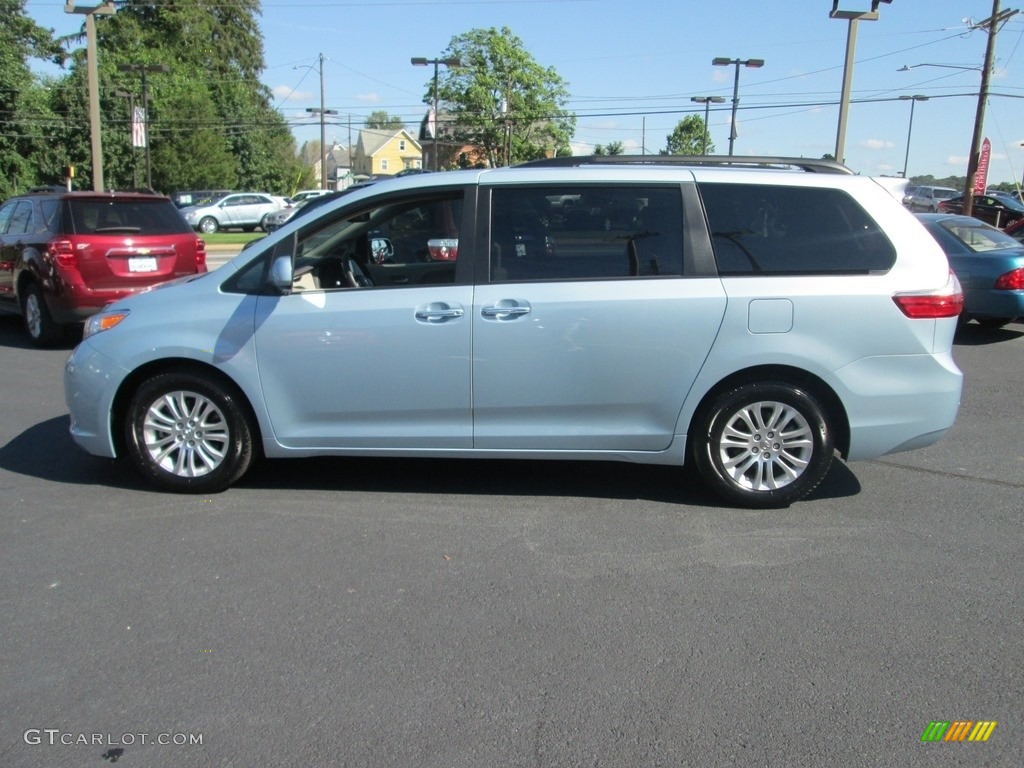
point(913, 101)
point(143, 69)
point(92, 75)
point(724, 62)
point(851, 44)
point(131, 122)
point(419, 61)
point(706, 101)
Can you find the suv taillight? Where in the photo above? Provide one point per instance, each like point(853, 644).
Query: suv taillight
point(200, 255)
point(63, 252)
point(947, 302)
point(1011, 281)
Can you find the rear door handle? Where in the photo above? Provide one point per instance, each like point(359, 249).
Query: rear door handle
point(502, 312)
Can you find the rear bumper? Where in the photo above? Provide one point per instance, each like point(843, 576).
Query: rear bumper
point(920, 400)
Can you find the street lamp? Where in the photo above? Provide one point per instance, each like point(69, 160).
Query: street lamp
point(323, 126)
point(131, 123)
point(706, 101)
point(851, 44)
point(724, 62)
point(419, 61)
point(908, 67)
point(143, 69)
point(913, 101)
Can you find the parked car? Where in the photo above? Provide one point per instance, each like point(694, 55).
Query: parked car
point(989, 264)
point(925, 198)
point(1000, 211)
point(66, 255)
point(298, 197)
point(242, 210)
point(194, 197)
point(1016, 230)
point(277, 219)
point(681, 311)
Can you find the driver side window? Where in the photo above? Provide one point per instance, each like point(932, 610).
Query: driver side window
point(394, 244)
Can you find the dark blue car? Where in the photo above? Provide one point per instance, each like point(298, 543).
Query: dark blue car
point(988, 262)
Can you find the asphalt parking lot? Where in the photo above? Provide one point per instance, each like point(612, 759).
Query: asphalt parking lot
point(429, 613)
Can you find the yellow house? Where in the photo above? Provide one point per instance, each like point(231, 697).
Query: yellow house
point(385, 153)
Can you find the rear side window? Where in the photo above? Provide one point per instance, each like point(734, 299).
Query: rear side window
point(140, 217)
point(762, 229)
point(585, 232)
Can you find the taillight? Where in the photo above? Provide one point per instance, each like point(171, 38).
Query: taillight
point(943, 207)
point(946, 302)
point(1011, 281)
point(443, 249)
point(200, 255)
point(62, 252)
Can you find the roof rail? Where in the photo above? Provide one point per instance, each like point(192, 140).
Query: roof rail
point(809, 165)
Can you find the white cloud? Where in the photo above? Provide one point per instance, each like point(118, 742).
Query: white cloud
point(287, 93)
point(877, 144)
point(369, 98)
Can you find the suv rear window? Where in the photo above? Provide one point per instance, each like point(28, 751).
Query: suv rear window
point(760, 229)
point(142, 217)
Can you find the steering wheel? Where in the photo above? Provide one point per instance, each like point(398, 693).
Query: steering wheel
point(355, 276)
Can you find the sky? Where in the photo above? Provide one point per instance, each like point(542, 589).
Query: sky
point(633, 67)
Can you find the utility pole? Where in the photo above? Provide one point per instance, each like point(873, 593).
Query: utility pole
point(92, 74)
point(995, 19)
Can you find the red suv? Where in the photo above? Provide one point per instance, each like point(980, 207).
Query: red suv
point(66, 255)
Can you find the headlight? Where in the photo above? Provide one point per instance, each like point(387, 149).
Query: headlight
point(103, 322)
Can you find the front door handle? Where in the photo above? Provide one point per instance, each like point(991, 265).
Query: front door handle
point(439, 312)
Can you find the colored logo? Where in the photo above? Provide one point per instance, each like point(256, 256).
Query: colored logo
point(958, 730)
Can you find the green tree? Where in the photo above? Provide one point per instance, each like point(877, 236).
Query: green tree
point(381, 120)
point(25, 116)
point(688, 138)
point(210, 118)
point(500, 100)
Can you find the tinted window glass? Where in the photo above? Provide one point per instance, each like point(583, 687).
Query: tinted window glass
point(5, 215)
point(400, 243)
point(142, 217)
point(578, 233)
point(759, 229)
point(21, 219)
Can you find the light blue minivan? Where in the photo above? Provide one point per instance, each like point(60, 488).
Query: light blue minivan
point(753, 317)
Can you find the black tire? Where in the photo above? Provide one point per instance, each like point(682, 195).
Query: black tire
point(763, 445)
point(39, 324)
point(187, 432)
point(208, 225)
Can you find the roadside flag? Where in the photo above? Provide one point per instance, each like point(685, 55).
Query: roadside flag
point(139, 127)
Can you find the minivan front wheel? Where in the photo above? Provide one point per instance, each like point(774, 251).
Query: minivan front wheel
point(208, 225)
point(187, 432)
point(764, 445)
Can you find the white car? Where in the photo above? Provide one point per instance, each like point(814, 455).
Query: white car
point(305, 194)
point(242, 210)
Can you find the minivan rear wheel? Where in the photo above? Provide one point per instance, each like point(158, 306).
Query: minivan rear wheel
point(39, 324)
point(187, 432)
point(764, 445)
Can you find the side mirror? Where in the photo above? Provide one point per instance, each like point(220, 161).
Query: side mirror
point(381, 249)
point(281, 274)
